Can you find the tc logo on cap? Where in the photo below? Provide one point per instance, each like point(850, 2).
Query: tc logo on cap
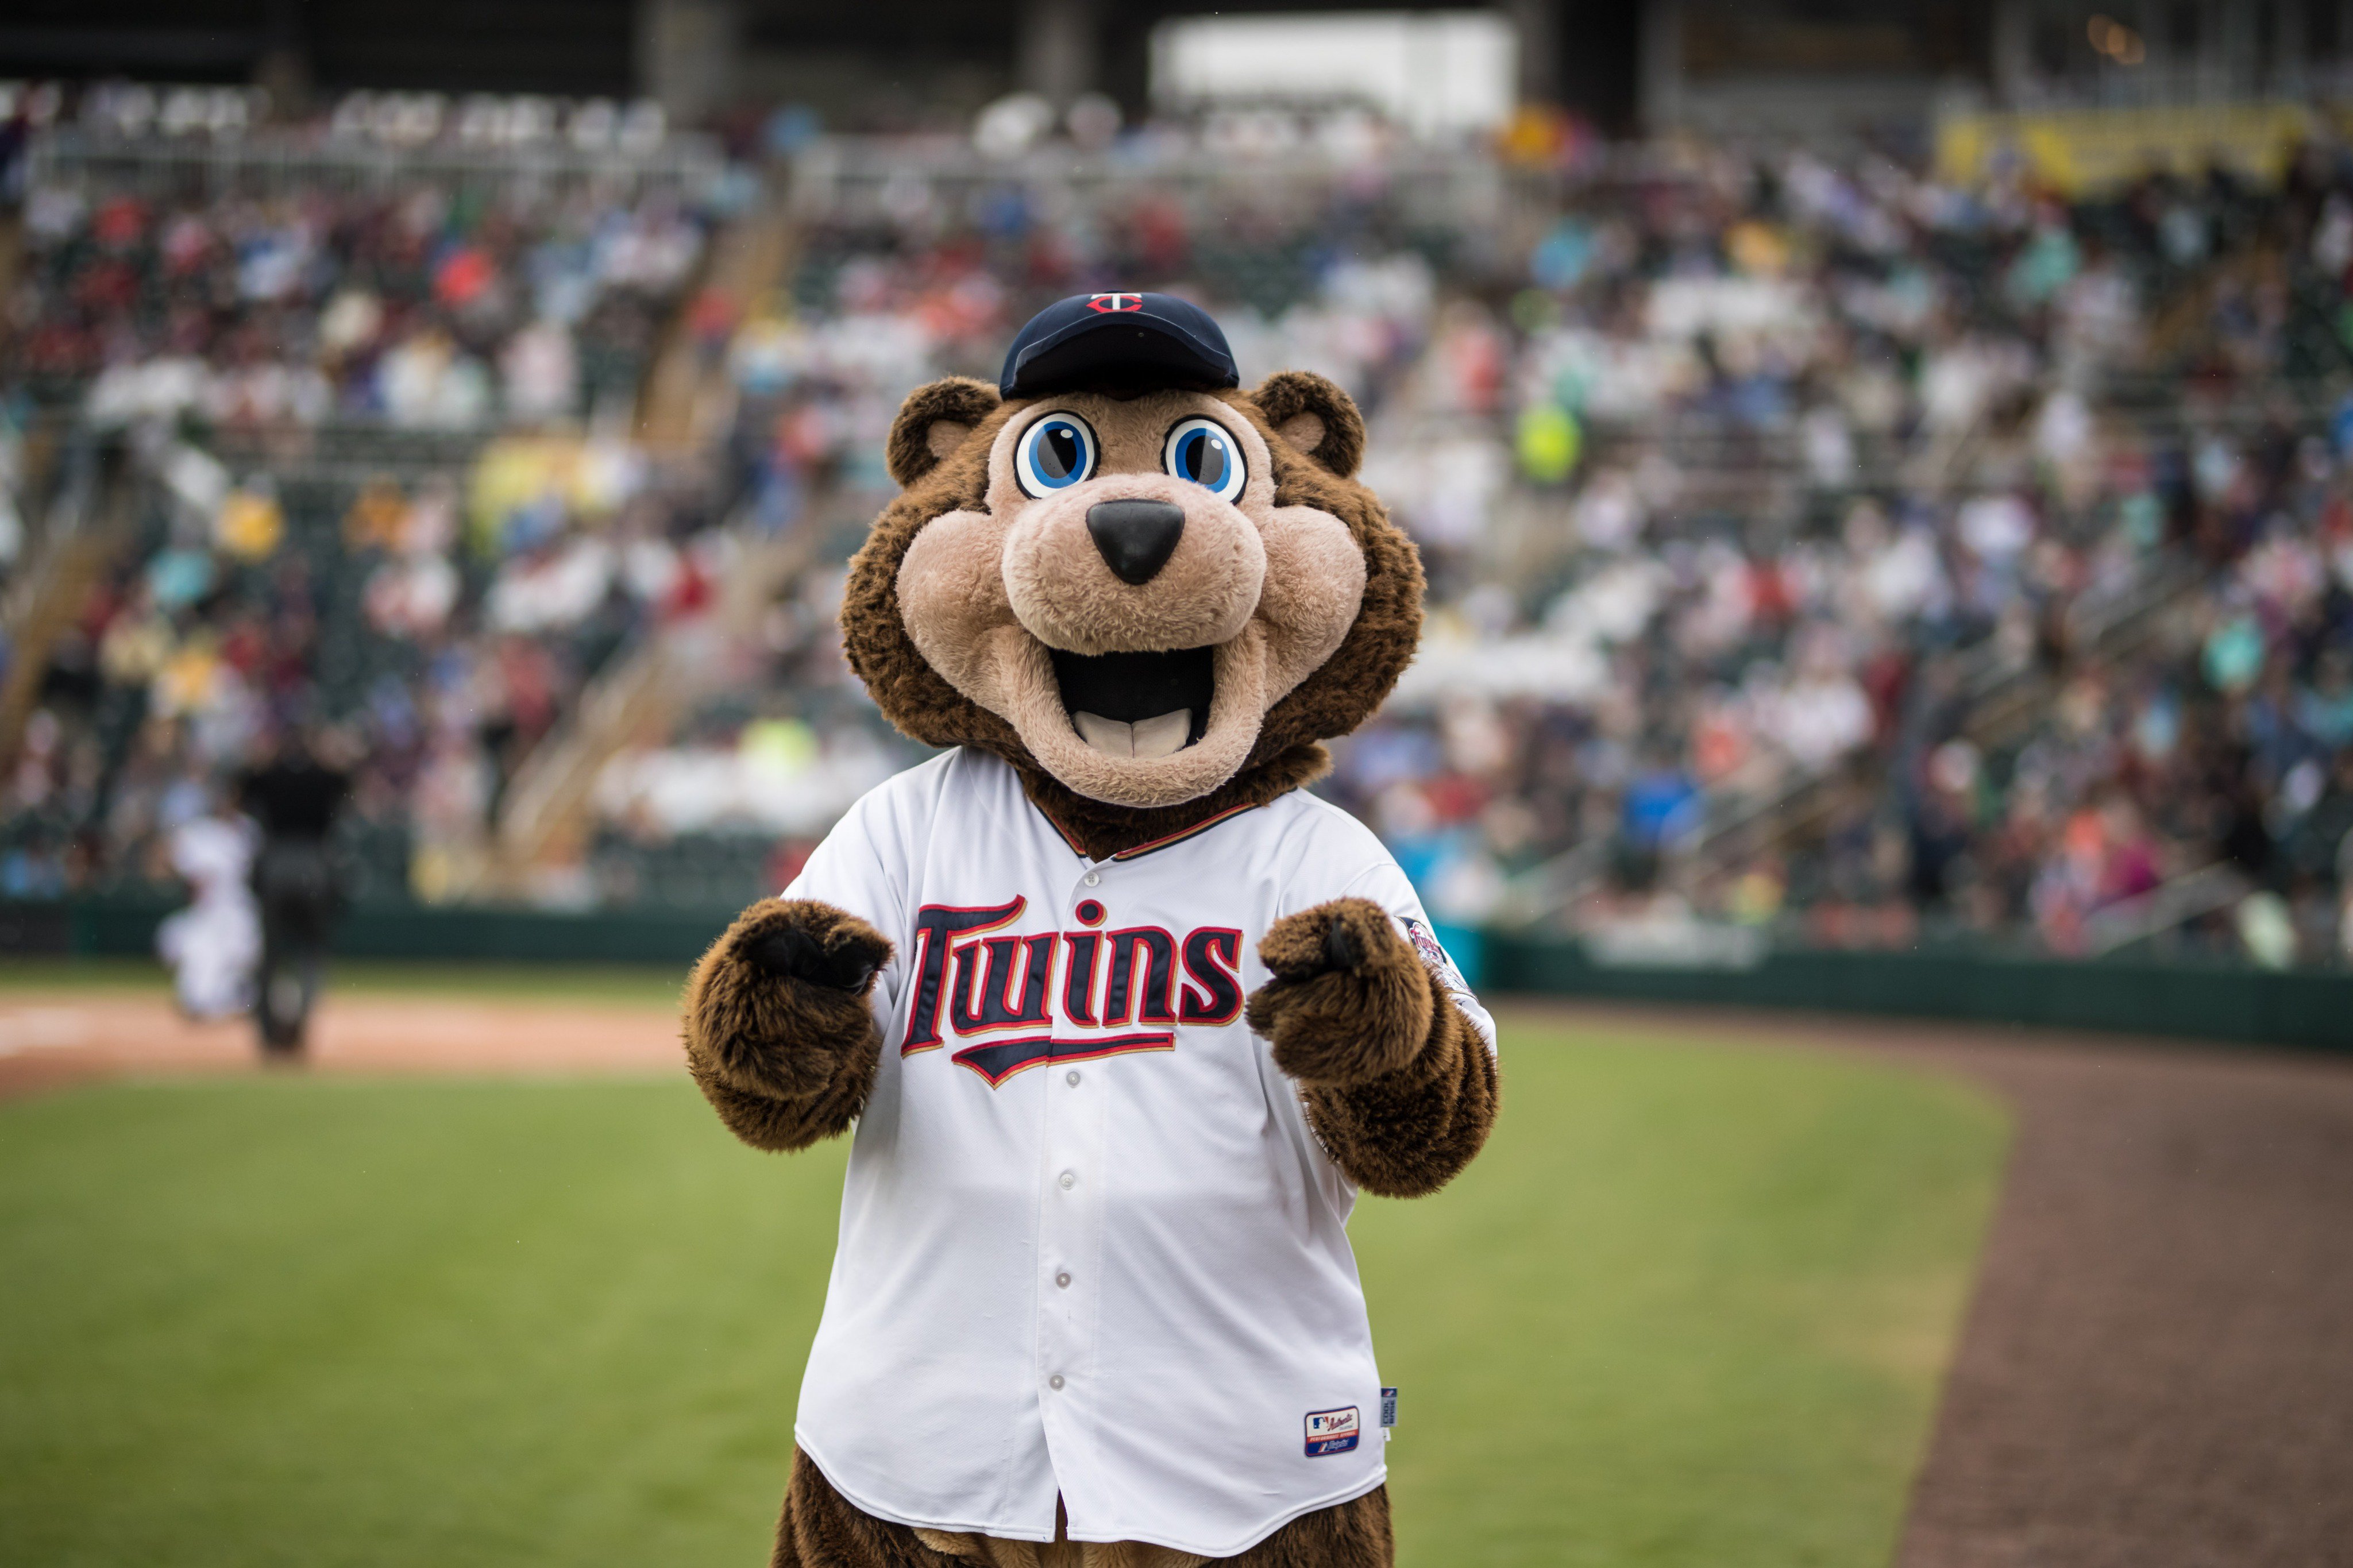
point(1123, 335)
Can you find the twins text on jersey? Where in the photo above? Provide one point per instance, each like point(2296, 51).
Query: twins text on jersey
point(1012, 1002)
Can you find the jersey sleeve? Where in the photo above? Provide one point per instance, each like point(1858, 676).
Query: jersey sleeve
point(1385, 884)
point(862, 867)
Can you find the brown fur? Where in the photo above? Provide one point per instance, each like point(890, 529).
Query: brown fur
point(1340, 695)
point(1397, 1085)
point(1058, 1553)
point(1394, 1081)
point(929, 418)
point(998, 1554)
point(1408, 1134)
point(821, 1529)
point(784, 1062)
point(1334, 1028)
point(1203, 595)
point(986, 594)
point(1104, 830)
point(1285, 395)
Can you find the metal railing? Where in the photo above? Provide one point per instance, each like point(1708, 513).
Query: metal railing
point(71, 158)
point(2167, 907)
point(1998, 691)
point(856, 179)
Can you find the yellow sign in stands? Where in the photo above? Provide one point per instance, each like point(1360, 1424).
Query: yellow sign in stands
point(2083, 151)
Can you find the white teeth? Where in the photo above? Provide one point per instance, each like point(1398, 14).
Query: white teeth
point(1109, 736)
point(1161, 737)
point(1164, 736)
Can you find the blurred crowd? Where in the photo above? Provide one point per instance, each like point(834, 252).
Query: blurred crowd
point(424, 308)
point(367, 443)
point(426, 636)
point(1814, 547)
point(1760, 494)
point(2080, 462)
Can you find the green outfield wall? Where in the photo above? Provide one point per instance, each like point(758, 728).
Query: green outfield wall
point(2305, 1009)
point(126, 928)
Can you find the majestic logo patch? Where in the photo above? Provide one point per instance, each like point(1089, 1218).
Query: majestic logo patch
point(1332, 1431)
point(1105, 303)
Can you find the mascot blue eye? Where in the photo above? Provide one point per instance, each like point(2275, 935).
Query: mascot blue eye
point(1201, 451)
point(1055, 453)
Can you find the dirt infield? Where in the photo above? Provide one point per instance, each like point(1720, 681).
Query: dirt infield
point(51, 1038)
point(2156, 1369)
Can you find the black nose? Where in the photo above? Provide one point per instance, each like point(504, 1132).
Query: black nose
point(1136, 537)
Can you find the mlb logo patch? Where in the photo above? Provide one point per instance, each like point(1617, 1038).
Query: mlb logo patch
point(1332, 1431)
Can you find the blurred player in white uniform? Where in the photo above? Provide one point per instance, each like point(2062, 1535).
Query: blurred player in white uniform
point(213, 945)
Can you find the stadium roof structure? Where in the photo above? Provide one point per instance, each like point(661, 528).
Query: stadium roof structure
point(1740, 65)
point(895, 60)
point(575, 48)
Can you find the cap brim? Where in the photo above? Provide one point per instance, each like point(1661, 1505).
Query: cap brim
point(1135, 349)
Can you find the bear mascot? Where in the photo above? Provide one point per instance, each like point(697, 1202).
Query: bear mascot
point(1122, 1019)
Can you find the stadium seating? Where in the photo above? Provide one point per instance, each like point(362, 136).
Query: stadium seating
point(1763, 497)
point(354, 404)
point(1813, 547)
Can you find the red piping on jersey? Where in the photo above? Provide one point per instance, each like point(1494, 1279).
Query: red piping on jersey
point(1065, 833)
point(1183, 833)
point(1137, 851)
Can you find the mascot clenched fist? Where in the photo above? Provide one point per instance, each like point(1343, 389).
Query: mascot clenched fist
point(1122, 1017)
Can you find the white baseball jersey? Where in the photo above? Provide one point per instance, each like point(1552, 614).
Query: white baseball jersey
point(1089, 1244)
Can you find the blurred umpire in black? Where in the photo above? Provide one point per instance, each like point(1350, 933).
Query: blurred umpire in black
point(294, 796)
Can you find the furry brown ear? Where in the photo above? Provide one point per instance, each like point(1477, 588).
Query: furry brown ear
point(933, 422)
point(1315, 417)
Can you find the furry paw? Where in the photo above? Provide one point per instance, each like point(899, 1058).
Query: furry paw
point(777, 1007)
point(847, 959)
point(1349, 1003)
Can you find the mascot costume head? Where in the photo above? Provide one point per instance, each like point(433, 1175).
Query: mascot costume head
point(1151, 593)
point(1132, 598)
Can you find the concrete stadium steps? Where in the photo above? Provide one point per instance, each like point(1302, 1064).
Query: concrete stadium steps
point(686, 397)
point(2002, 699)
point(543, 821)
point(2001, 690)
point(90, 521)
point(683, 407)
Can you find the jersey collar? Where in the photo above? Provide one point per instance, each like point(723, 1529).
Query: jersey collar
point(1137, 851)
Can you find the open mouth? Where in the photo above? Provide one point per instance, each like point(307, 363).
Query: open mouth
point(1137, 704)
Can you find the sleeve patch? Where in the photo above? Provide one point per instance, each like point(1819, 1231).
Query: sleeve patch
point(1434, 958)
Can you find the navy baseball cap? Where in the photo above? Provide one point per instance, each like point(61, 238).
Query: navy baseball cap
point(1096, 340)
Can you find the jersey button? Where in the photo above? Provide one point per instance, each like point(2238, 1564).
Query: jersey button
point(1069, 1180)
point(1064, 1280)
point(1092, 878)
point(1072, 1077)
point(1054, 1381)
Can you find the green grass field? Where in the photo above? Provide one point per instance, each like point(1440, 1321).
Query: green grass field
point(1689, 1309)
